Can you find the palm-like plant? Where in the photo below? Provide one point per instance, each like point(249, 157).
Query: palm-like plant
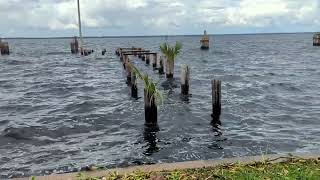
point(151, 95)
point(170, 53)
point(150, 87)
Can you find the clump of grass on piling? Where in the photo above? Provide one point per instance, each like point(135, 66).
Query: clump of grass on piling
point(149, 86)
point(170, 52)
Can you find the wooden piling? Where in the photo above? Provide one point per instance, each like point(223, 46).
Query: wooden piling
point(143, 57)
point(103, 52)
point(154, 62)
point(169, 69)
point(4, 48)
point(150, 108)
point(74, 45)
point(185, 79)
point(216, 101)
point(121, 55)
point(161, 71)
point(134, 87)
point(128, 71)
point(125, 60)
point(147, 59)
point(316, 39)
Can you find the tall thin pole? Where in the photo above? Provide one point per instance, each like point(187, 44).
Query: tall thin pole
point(79, 23)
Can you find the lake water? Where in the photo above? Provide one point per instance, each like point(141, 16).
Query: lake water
point(60, 112)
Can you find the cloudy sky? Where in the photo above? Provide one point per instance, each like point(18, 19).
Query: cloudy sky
point(43, 18)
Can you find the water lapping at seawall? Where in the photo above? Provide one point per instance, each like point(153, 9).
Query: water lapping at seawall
point(61, 113)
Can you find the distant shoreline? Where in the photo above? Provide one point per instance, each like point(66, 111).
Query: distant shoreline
point(151, 36)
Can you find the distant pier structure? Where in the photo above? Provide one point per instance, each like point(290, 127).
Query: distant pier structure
point(205, 41)
point(316, 39)
point(4, 48)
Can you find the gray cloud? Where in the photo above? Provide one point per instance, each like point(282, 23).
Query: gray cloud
point(137, 17)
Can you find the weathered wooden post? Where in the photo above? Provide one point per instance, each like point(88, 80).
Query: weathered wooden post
point(103, 52)
point(216, 101)
point(154, 62)
point(150, 109)
point(169, 69)
point(134, 87)
point(128, 71)
point(148, 59)
point(74, 46)
point(161, 66)
point(316, 39)
point(143, 57)
point(125, 60)
point(121, 55)
point(4, 48)
point(185, 79)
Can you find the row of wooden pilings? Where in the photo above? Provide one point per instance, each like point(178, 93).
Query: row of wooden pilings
point(150, 105)
point(4, 48)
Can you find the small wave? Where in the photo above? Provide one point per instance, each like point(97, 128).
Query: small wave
point(57, 53)
point(17, 62)
point(286, 86)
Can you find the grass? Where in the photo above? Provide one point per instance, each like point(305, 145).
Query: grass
point(149, 86)
point(289, 170)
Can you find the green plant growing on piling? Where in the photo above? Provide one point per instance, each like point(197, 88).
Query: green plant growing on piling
point(170, 52)
point(149, 86)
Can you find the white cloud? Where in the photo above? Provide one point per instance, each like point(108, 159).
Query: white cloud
point(157, 16)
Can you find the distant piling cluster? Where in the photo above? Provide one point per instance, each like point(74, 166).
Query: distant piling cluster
point(74, 45)
point(75, 49)
point(4, 48)
point(158, 64)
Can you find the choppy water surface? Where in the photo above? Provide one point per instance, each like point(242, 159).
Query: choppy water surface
point(60, 112)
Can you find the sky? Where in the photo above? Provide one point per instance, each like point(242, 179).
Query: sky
point(58, 18)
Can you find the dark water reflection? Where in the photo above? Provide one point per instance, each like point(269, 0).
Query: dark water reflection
point(61, 113)
point(150, 137)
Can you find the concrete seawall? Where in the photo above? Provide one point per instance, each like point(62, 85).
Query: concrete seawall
point(179, 165)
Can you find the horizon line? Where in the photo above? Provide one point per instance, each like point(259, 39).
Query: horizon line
point(140, 36)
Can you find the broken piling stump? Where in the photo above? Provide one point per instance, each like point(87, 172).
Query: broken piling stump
point(125, 60)
point(4, 48)
point(103, 52)
point(185, 79)
point(169, 69)
point(316, 39)
point(161, 71)
point(147, 59)
point(216, 101)
point(154, 62)
point(150, 109)
point(128, 72)
point(74, 45)
point(134, 87)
